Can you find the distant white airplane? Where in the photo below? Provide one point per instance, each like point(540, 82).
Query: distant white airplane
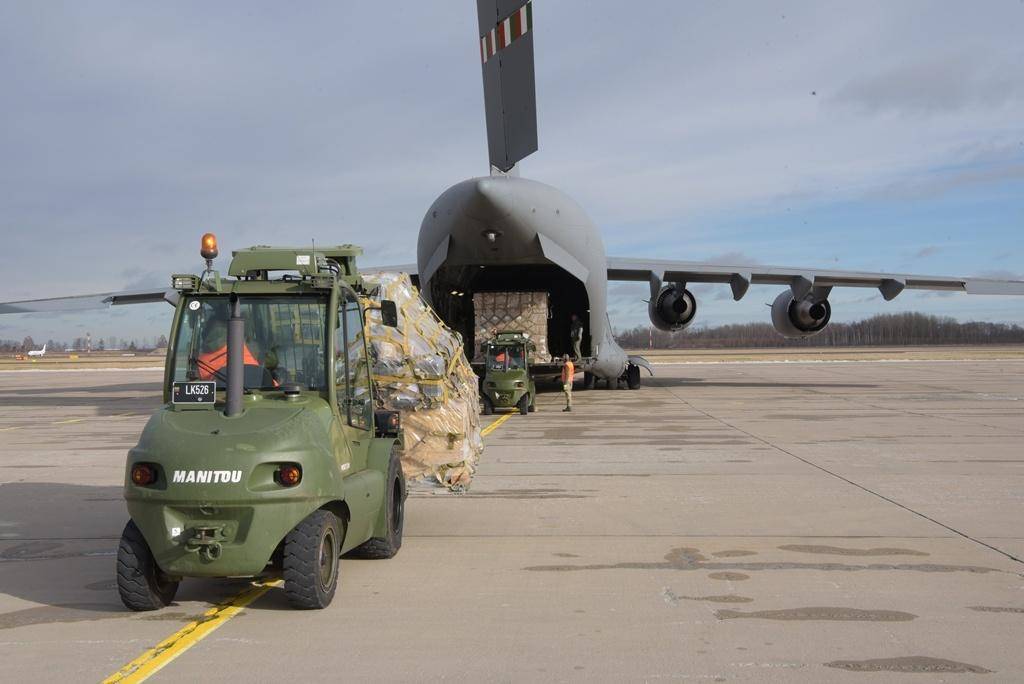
point(38, 352)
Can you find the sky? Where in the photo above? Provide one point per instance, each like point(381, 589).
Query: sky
point(870, 136)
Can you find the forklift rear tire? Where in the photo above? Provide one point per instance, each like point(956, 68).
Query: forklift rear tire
point(488, 406)
point(524, 405)
point(312, 560)
point(379, 548)
point(141, 584)
point(533, 403)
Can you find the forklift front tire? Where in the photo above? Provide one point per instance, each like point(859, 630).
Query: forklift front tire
point(312, 560)
point(378, 548)
point(141, 584)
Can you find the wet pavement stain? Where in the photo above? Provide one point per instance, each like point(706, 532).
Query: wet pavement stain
point(729, 576)
point(992, 460)
point(835, 614)
point(20, 465)
point(907, 664)
point(686, 558)
point(843, 551)
point(733, 553)
point(104, 585)
point(997, 609)
point(40, 550)
point(171, 617)
point(66, 613)
point(525, 494)
point(673, 599)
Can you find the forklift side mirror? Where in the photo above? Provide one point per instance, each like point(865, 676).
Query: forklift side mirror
point(389, 313)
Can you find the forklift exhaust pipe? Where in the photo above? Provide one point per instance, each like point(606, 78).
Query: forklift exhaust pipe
point(236, 360)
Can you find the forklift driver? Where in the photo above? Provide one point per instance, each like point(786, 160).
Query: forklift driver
point(213, 360)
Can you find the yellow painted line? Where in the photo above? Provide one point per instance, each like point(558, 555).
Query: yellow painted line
point(156, 658)
point(70, 420)
point(494, 426)
point(8, 429)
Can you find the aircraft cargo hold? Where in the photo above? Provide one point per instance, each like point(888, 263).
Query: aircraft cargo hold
point(420, 370)
point(525, 312)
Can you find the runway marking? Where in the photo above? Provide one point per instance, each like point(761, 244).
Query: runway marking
point(156, 658)
point(69, 420)
point(494, 426)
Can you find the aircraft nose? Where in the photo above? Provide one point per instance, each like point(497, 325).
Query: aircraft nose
point(499, 211)
point(490, 200)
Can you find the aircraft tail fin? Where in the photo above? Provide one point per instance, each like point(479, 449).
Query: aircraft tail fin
point(510, 97)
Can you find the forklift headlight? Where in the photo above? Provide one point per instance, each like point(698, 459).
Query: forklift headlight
point(519, 383)
point(185, 282)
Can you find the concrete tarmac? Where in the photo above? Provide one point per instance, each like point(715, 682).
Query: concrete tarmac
point(801, 522)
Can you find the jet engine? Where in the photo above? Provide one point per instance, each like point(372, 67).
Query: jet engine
point(673, 308)
point(800, 318)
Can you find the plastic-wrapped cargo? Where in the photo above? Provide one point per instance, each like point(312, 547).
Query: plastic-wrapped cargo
point(421, 371)
point(526, 312)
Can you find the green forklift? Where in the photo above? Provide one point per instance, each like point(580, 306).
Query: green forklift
point(267, 456)
point(507, 383)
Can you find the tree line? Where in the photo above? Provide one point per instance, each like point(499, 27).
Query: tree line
point(111, 343)
point(882, 330)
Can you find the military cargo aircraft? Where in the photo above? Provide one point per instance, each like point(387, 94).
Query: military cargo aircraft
point(503, 232)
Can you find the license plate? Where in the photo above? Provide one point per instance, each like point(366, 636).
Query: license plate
point(196, 392)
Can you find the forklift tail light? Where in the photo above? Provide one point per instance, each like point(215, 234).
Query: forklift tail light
point(289, 475)
point(143, 474)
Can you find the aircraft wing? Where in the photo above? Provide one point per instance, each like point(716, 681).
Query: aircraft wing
point(92, 301)
point(800, 280)
point(397, 268)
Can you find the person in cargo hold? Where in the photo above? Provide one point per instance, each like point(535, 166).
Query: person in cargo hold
point(568, 372)
point(576, 335)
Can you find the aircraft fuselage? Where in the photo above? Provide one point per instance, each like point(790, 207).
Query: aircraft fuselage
point(505, 233)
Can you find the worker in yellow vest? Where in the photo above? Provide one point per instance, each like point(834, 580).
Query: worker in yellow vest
point(568, 372)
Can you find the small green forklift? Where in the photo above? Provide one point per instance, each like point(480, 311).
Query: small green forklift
point(267, 457)
point(507, 383)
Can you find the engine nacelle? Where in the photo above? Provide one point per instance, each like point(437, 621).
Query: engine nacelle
point(799, 318)
point(673, 308)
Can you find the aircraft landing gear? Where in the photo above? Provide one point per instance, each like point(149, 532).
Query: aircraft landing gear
point(633, 377)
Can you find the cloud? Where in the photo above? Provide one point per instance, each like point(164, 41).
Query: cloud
point(1001, 274)
point(938, 84)
point(926, 252)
